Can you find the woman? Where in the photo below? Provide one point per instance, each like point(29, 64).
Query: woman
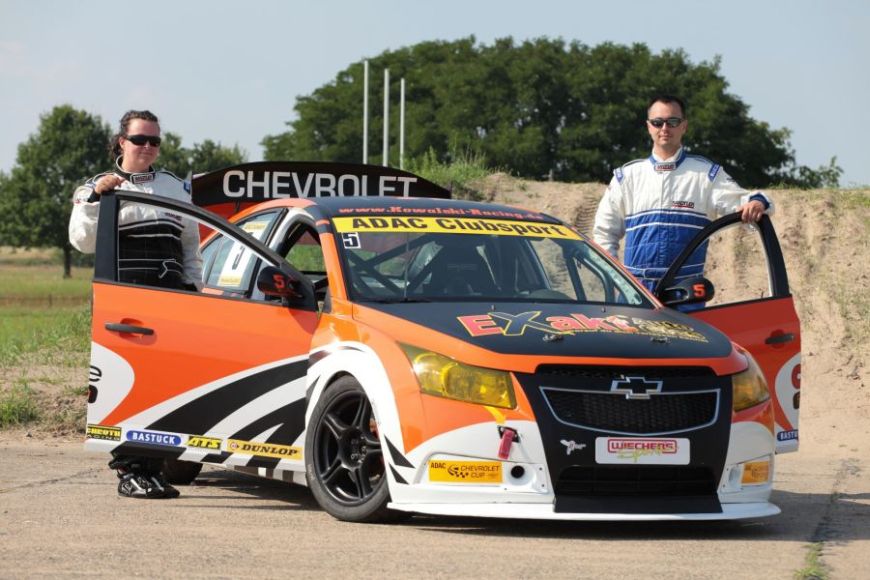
point(156, 248)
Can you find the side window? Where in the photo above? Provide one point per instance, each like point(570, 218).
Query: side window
point(231, 265)
point(734, 260)
point(302, 250)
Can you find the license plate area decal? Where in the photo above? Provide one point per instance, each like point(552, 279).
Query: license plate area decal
point(642, 451)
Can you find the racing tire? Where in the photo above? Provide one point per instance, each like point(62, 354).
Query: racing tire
point(179, 472)
point(344, 460)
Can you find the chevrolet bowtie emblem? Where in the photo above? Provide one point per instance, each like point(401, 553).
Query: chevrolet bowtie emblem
point(635, 387)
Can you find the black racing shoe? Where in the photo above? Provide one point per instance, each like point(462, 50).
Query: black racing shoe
point(140, 486)
point(160, 482)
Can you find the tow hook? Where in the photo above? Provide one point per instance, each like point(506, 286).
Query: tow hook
point(508, 435)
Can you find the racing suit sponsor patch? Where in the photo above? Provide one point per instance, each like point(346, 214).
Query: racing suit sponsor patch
point(264, 449)
point(103, 432)
point(465, 471)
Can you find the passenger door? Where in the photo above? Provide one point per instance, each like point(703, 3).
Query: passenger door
point(754, 307)
point(196, 375)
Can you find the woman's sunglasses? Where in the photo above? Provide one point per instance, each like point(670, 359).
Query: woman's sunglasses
point(658, 122)
point(140, 140)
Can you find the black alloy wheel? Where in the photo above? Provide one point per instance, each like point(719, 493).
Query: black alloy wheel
point(344, 460)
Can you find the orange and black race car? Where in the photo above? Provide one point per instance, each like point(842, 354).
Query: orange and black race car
point(398, 351)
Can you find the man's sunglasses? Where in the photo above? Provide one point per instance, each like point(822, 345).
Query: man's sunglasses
point(672, 122)
point(140, 140)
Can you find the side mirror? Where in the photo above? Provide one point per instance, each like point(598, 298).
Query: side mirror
point(273, 282)
point(688, 291)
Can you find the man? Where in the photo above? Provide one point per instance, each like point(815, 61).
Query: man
point(660, 203)
point(156, 248)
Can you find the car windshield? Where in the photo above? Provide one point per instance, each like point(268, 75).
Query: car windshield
point(395, 264)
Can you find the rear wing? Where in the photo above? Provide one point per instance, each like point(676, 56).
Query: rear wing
point(230, 190)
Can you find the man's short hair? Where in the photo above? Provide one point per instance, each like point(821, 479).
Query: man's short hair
point(668, 99)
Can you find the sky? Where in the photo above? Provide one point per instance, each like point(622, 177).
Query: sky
point(231, 71)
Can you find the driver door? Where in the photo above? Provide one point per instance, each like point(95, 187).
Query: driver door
point(754, 307)
point(215, 376)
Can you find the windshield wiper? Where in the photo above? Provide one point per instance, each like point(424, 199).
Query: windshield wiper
point(401, 300)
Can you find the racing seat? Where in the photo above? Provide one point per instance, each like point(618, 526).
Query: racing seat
point(460, 271)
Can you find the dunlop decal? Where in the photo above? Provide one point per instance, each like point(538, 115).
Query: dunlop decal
point(103, 432)
point(204, 442)
point(453, 225)
point(264, 449)
point(465, 471)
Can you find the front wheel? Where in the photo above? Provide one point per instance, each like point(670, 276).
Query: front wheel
point(344, 461)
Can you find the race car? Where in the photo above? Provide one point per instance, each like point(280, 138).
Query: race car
point(398, 351)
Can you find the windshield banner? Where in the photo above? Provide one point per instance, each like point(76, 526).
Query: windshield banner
point(452, 225)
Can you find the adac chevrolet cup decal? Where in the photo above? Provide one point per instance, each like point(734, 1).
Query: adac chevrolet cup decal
point(506, 324)
point(452, 225)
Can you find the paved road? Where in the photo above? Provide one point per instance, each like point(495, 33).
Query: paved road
point(59, 515)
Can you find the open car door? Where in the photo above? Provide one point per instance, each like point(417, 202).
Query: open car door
point(753, 306)
point(181, 374)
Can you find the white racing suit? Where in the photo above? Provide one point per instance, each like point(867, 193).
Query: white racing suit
point(659, 206)
point(157, 247)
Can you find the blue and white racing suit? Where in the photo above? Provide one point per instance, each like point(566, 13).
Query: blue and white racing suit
point(659, 206)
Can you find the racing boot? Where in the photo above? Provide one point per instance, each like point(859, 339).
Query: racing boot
point(159, 481)
point(139, 486)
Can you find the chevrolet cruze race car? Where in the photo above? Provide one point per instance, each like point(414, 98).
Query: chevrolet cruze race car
point(398, 351)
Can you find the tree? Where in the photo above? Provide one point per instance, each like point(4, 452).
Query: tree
point(542, 109)
point(68, 147)
point(201, 158)
point(35, 198)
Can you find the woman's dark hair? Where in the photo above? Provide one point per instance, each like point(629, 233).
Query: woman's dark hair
point(114, 142)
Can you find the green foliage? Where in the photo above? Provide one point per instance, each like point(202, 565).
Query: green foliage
point(457, 176)
point(18, 406)
point(542, 109)
point(201, 158)
point(35, 196)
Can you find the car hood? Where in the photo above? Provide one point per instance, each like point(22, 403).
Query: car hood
point(567, 329)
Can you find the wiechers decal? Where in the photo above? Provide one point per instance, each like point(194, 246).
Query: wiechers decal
point(465, 471)
point(453, 225)
point(204, 442)
point(264, 449)
point(153, 438)
point(103, 432)
point(642, 451)
point(506, 324)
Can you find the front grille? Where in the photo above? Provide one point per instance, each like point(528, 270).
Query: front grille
point(609, 373)
point(629, 480)
point(611, 412)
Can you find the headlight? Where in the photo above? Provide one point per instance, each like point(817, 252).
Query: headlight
point(444, 377)
point(750, 388)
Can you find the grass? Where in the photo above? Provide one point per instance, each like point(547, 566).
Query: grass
point(18, 406)
point(457, 176)
point(44, 322)
point(814, 569)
